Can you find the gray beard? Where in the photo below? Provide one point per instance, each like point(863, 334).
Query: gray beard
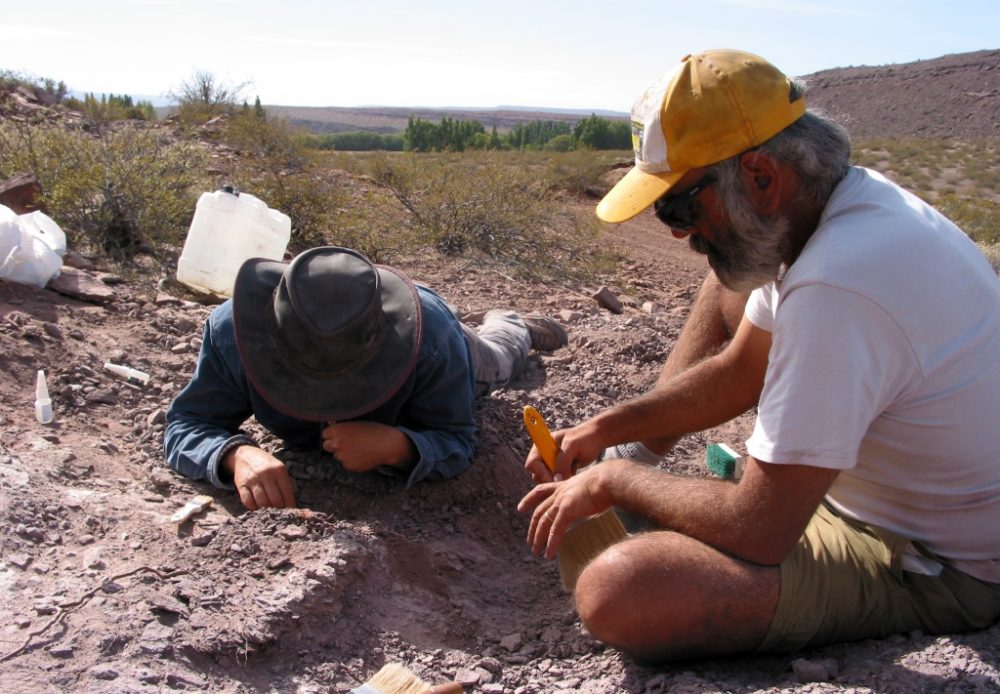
point(750, 254)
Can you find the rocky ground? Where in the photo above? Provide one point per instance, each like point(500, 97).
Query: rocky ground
point(102, 592)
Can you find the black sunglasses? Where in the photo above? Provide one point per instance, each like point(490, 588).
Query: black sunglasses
point(677, 211)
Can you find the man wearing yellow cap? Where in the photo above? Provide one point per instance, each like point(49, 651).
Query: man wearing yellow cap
point(865, 328)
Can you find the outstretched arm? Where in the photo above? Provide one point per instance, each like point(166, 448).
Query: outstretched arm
point(706, 395)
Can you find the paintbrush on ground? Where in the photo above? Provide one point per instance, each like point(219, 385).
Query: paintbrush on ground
point(397, 679)
point(588, 537)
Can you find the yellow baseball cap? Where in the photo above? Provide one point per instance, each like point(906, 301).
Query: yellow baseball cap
point(712, 106)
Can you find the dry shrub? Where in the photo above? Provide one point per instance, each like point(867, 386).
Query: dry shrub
point(489, 209)
point(124, 191)
point(977, 216)
point(992, 253)
point(274, 165)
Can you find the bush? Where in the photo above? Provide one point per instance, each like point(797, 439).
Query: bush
point(992, 253)
point(270, 142)
point(46, 89)
point(309, 199)
point(977, 217)
point(123, 192)
point(275, 166)
point(376, 226)
point(579, 172)
point(204, 96)
point(560, 143)
point(489, 209)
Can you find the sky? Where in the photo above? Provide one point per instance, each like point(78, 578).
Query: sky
point(570, 54)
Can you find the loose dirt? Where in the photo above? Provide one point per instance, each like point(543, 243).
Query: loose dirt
point(101, 592)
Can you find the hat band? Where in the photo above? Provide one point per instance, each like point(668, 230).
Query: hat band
point(342, 366)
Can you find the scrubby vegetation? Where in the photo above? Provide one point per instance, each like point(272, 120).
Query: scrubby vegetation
point(111, 107)
point(960, 178)
point(488, 208)
point(120, 192)
point(123, 184)
point(125, 187)
point(50, 88)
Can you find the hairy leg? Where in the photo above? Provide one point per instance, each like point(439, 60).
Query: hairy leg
point(665, 596)
point(715, 315)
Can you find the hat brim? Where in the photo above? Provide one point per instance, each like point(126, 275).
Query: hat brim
point(636, 191)
point(306, 396)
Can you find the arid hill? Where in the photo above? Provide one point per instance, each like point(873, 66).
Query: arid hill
point(951, 96)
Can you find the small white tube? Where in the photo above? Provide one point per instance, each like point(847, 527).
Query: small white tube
point(133, 376)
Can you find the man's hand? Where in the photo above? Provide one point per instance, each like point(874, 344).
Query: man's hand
point(557, 505)
point(260, 479)
point(578, 446)
point(363, 446)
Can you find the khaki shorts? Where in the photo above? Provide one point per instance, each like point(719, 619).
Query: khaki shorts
point(843, 582)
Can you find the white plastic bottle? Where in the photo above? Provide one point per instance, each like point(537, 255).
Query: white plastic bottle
point(227, 229)
point(43, 404)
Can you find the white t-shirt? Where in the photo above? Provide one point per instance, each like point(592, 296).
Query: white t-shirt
point(885, 364)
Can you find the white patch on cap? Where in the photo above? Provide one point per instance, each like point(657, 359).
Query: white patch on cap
point(651, 147)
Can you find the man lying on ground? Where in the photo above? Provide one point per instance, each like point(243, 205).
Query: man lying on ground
point(333, 351)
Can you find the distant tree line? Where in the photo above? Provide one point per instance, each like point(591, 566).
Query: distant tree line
point(356, 141)
point(458, 135)
point(451, 135)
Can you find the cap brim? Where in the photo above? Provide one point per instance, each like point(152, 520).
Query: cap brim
point(302, 395)
point(635, 192)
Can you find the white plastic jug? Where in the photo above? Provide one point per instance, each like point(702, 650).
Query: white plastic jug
point(228, 229)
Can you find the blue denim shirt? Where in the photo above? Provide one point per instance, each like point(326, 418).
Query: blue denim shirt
point(434, 408)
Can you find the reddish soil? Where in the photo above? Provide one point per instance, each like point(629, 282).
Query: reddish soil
point(103, 593)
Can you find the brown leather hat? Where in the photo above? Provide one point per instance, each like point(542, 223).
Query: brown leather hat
point(329, 336)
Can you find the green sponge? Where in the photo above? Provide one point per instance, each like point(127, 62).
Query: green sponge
point(723, 461)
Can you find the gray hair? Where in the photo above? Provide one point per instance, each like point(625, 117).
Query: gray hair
point(815, 146)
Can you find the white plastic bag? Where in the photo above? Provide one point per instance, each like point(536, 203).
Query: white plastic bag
point(31, 247)
point(44, 227)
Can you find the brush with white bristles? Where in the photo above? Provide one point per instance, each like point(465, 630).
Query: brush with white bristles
point(398, 679)
point(588, 537)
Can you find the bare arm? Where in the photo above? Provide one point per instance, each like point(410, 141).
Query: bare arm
point(759, 519)
point(706, 395)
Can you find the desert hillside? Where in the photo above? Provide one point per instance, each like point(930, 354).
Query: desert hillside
point(951, 96)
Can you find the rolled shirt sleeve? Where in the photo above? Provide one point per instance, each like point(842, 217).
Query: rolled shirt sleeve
point(203, 422)
point(434, 407)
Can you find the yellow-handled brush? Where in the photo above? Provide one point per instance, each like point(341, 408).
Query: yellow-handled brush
point(588, 537)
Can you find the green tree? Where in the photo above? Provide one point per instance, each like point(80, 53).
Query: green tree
point(447, 136)
point(600, 133)
point(560, 143)
point(534, 135)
